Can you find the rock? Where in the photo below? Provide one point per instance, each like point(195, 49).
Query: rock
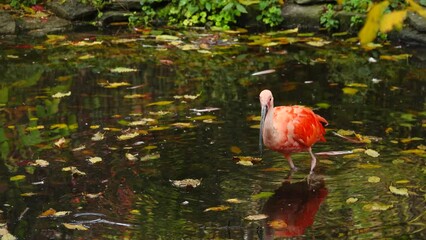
point(409, 36)
point(41, 27)
point(417, 22)
point(7, 24)
point(72, 9)
point(304, 17)
point(113, 16)
point(312, 2)
point(130, 5)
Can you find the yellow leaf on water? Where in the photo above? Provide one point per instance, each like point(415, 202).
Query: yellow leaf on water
point(376, 206)
point(135, 212)
point(152, 156)
point(414, 151)
point(368, 165)
point(278, 224)
point(59, 126)
point(398, 191)
point(123, 70)
point(344, 132)
point(373, 179)
point(351, 200)
point(94, 160)
point(73, 226)
point(40, 163)
point(235, 149)
point(97, 136)
point(392, 20)
point(39, 127)
point(61, 213)
point(245, 163)
point(203, 117)
point(87, 56)
point(326, 161)
point(395, 57)
point(182, 125)
point(189, 182)
point(404, 181)
point(113, 84)
point(73, 170)
point(256, 217)
point(48, 213)
point(17, 178)
point(29, 194)
point(127, 136)
point(217, 209)
point(372, 153)
point(61, 95)
point(234, 200)
point(360, 85)
point(160, 103)
point(369, 32)
point(349, 90)
point(319, 43)
point(60, 142)
point(131, 157)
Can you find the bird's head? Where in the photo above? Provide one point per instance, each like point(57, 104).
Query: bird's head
point(266, 102)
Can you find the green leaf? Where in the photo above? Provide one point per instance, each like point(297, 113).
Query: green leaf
point(262, 195)
point(17, 178)
point(241, 8)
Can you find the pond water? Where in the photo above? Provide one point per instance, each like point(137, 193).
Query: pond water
point(115, 121)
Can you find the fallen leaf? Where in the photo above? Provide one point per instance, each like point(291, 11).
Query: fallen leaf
point(351, 200)
point(82, 147)
point(73, 226)
point(40, 163)
point(93, 195)
point(189, 182)
point(39, 127)
point(131, 157)
point(73, 170)
point(60, 142)
point(127, 136)
point(245, 163)
point(98, 136)
point(368, 165)
point(113, 85)
point(48, 213)
point(404, 181)
point(133, 96)
point(263, 72)
point(349, 91)
point(376, 206)
point(344, 132)
point(61, 95)
point(319, 43)
point(217, 209)
point(262, 195)
point(256, 217)
point(94, 160)
point(142, 122)
point(203, 117)
point(123, 70)
point(152, 156)
point(182, 125)
point(399, 191)
point(61, 213)
point(17, 178)
point(373, 179)
point(234, 200)
point(29, 194)
point(372, 153)
point(278, 224)
point(235, 150)
point(160, 103)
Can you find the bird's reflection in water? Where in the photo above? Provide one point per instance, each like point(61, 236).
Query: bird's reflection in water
point(293, 207)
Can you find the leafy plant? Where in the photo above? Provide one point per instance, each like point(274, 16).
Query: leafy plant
point(328, 19)
point(270, 12)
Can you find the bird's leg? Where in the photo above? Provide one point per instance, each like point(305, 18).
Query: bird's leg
point(290, 161)
point(314, 160)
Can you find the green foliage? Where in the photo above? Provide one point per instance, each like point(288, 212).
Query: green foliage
point(356, 6)
point(328, 19)
point(270, 13)
point(17, 3)
point(221, 13)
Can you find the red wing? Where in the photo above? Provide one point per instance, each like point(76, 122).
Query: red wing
point(307, 126)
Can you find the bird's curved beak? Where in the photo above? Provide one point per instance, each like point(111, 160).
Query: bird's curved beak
point(263, 112)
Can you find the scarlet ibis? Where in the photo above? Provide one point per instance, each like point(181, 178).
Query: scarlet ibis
point(289, 129)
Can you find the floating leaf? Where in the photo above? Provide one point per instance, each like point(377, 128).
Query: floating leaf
point(123, 70)
point(29, 194)
point(217, 209)
point(160, 103)
point(73, 170)
point(143, 121)
point(61, 213)
point(319, 43)
point(131, 157)
point(127, 136)
point(349, 91)
point(263, 72)
point(326, 161)
point(203, 117)
point(182, 125)
point(234, 200)
point(39, 127)
point(399, 191)
point(245, 163)
point(404, 181)
point(372, 153)
point(133, 96)
point(395, 57)
point(190, 97)
point(17, 178)
point(150, 157)
point(376, 206)
point(61, 95)
point(48, 213)
point(94, 160)
point(278, 224)
point(82, 147)
point(323, 105)
point(189, 182)
point(98, 136)
point(159, 128)
point(235, 150)
point(351, 200)
point(262, 195)
point(73, 226)
point(256, 217)
point(373, 179)
point(166, 38)
point(40, 163)
point(345, 132)
point(60, 142)
point(368, 165)
point(360, 85)
point(414, 151)
point(113, 84)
